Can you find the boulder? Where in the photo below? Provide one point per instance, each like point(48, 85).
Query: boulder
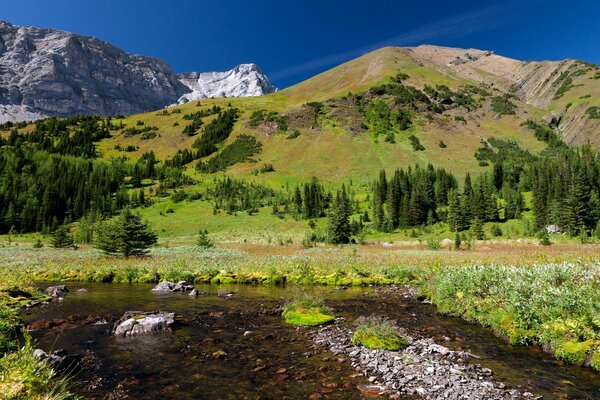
point(57, 291)
point(166, 286)
point(140, 322)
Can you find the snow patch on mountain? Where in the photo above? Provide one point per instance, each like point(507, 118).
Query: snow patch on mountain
point(245, 80)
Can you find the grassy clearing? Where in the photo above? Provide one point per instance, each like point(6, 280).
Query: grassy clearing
point(307, 310)
point(376, 332)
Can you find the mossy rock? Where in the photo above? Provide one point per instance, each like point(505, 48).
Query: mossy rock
point(596, 360)
point(306, 317)
point(371, 339)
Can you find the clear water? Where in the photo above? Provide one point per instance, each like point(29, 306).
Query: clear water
point(274, 362)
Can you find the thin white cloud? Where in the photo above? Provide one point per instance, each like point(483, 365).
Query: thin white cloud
point(455, 27)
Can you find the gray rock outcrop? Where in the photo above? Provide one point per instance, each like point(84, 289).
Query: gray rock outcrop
point(46, 72)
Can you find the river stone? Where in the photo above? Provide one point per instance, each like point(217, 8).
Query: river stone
point(57, 291)
point(140, 322)
point(166, 286)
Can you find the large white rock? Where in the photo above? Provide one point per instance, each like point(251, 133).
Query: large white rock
point(140, 323)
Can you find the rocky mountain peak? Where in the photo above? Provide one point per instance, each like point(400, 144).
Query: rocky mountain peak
point(46, 72)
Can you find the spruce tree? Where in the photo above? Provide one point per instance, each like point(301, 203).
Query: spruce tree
point(339, 219)
point(61, 238)
point(126, 235)
point(203, 240)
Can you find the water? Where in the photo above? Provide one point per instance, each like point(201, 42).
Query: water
point(275, 361)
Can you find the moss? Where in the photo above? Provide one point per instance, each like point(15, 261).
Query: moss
point(307, 317)
point(596, 360)
point(378, 333)
point(573, 352)
point(307, 310)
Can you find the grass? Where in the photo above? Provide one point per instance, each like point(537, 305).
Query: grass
point(22, 375)
point(557, 305)
point(307, 310)
point(376, 332)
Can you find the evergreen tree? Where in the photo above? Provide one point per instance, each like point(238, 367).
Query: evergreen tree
point(203, 240)
point(62, 239)
point(126, 235)
point(339, 219)
point(477, 228)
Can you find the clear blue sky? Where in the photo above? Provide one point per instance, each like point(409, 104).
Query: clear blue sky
point(293, 40)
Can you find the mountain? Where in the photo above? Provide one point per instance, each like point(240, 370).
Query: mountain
point(468, 97)
point(45, 72)
point(245, 80)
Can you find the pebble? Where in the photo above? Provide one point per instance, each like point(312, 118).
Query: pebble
point(425, 369)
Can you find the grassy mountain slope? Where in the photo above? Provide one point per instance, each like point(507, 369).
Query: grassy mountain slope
point(325, 148)
point(333, 137)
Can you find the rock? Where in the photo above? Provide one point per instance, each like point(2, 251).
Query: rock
point(82, 290)
point(166, 286)
point(58, 359)
point(163, 287)
point(248, 333)
point(242, 81)
point(139, 322)
point(371, 389)
point(46, 73)
point(225, 293)
point(194, 292)
point(57, 291)
point(424, 369)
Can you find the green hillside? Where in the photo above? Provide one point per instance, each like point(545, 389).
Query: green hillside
point(392, 108)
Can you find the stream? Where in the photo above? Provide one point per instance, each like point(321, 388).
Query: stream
point(238, 347)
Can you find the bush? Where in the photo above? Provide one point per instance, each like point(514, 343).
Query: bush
point(307, 310)
point(503, 105)
point(376, 332)
point(415, 143)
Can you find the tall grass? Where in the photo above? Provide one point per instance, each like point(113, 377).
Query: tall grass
point(555, 305)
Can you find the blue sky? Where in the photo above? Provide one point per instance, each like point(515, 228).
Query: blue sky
point(293, 40)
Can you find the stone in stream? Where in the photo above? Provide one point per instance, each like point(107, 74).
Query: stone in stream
point(140, 322)
point(166, 286)
point(57, 291)
point(59, 359)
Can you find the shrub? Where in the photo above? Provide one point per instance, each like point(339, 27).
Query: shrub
point(503, 105)
point(376, 332)
point(416, 143)
point(203, 240)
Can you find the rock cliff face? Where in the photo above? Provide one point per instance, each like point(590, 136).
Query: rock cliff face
point(241, 81)
point(45, 72)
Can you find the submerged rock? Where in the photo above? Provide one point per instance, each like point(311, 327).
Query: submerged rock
point(140, 322)
point(57, 291)
point(57, 359)
point(166, 286)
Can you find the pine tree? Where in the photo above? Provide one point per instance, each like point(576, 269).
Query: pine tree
point(61, 238)
point(126, 235)
point(203, 240)
point(477, 228)
point(339, 219)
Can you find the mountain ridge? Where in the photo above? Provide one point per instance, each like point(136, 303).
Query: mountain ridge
point(46, 72)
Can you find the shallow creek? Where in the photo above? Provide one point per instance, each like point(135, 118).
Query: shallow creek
point(238, 347)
